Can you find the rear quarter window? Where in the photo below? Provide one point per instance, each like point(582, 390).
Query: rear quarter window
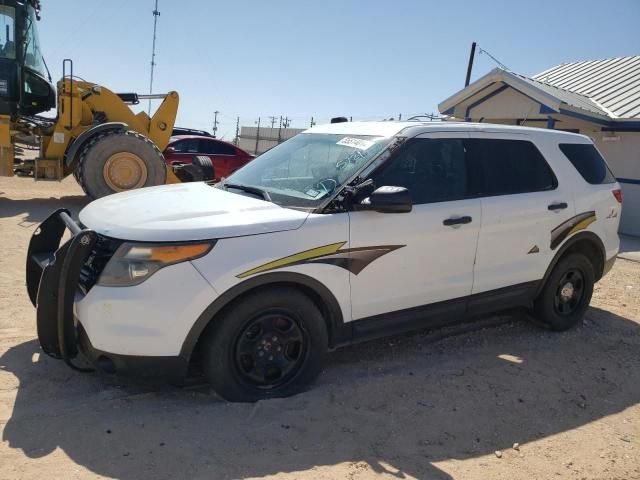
point(506, 167)
point(588, 162)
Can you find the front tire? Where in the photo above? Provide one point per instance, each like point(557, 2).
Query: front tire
point(566, 295)
point(269, 344)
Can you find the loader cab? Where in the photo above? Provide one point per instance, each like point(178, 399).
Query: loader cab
point(25, 83)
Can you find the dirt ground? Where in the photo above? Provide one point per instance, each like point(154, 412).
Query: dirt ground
point(507, 400)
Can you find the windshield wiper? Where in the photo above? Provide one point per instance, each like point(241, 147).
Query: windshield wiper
point(249, 189)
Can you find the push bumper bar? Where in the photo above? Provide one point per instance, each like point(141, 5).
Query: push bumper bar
point(53, 272)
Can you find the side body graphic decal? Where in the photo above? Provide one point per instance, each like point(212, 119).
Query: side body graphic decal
point(571, 226)
point(353, 259)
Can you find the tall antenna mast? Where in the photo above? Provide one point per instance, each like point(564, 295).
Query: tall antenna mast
point(156, 14)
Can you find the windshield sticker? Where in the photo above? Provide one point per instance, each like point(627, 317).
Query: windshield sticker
point(358, 143)
point(314, 193)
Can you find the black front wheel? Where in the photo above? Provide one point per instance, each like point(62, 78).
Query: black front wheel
point(271, 343)
point(566, 295)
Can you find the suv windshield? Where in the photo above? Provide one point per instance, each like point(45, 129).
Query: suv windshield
point(303, 171)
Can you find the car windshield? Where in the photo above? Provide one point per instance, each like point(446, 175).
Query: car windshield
point(303, 171)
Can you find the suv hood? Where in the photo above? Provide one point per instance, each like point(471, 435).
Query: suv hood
point(188, 211)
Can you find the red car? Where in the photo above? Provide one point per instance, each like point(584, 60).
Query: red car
point(226, 157)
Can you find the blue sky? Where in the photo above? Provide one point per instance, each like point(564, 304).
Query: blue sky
point(322, 58)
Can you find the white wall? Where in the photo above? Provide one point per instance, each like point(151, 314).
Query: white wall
point(268, 138)
point(507, 104)
point(623, 156)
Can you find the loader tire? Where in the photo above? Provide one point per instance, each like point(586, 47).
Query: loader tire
point(117, 161)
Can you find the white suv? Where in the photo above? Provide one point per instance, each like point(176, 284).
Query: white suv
point(344, 233)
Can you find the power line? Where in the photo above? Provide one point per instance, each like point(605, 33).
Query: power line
point(500, 64)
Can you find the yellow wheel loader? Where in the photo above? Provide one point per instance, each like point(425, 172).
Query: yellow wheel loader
point(95, 135)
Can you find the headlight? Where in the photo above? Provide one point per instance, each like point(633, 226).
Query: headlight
point(133, 263)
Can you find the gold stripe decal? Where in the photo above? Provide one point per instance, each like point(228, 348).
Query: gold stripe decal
point(352, 259)
point(295, 258)
point(582, 225)
point(571, 226)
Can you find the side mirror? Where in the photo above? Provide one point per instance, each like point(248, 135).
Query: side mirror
point(388, 200)
point(170, 149)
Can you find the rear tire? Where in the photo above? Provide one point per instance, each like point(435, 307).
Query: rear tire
point(118, 161)
point(269, 344)
point(566, 295)
point(206, 166)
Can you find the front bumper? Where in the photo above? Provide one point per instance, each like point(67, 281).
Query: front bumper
point(136, 331)
point(52, 274)
point(169, 368)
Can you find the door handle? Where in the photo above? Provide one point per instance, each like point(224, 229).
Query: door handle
point(557, 206)
point(449, 222)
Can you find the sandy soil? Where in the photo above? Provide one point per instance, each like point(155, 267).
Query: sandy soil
point(505, 401)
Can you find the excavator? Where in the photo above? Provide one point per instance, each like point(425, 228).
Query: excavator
point(95, 135)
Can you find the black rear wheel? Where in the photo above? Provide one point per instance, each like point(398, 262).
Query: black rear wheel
point(271, 343)
point(569, 292)
point(566, 295)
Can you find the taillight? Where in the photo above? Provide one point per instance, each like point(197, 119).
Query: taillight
point(618, 194)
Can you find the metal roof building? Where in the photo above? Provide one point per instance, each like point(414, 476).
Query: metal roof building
point(613, 84)
point(599, 98)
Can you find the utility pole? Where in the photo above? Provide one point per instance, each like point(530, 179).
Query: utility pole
point(255, 151)
point(286, 122)
point(273, 120)
point(215, 123)
point(312, 123)
point(235, 141)
point(280, 130)
point(156, 14)
point(399, 117)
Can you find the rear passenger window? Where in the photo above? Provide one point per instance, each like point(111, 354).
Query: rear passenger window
point(504, 167)
point(186, 146)
point(433, 170)
point(588, 161)
point(211, 147)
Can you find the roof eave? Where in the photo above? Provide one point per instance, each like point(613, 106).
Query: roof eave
point(495, 76)
point(469, 90)
point(581, 113)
